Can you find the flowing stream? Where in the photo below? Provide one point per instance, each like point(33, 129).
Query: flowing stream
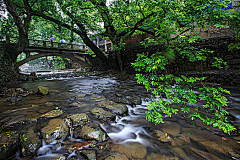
point(174, 139)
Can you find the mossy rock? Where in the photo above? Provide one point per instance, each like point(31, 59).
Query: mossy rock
point(43, 90)
point(79, 119)
point(30, 143)
point(56, 129)
point(103, 114)
point(53, 113)
point(90, 131)
point(8, 144)
point(116, 108)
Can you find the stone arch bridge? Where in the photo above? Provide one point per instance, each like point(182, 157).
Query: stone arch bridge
point(46, 48)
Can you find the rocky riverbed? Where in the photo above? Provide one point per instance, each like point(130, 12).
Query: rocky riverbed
point(102, 117)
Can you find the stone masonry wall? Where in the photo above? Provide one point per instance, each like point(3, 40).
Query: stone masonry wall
point(228, 76)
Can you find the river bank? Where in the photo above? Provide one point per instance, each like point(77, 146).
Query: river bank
point(80, 122)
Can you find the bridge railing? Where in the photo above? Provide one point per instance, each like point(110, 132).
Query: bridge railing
point(48, 44)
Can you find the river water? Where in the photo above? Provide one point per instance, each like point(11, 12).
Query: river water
point(130, 134)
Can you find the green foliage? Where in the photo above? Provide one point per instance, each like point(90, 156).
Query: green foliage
point(90, 52)
point(7, 26)
point(180, 94)
point(21, 57)
point(176, 31)
point(219, 63)
point(234, 23)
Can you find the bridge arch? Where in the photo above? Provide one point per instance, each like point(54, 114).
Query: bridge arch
point(79, 58)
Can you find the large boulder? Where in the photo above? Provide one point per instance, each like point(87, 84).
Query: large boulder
point(103, 114)
point(116, 108)
point(90, 131)
point(43, 90)
point(8, 144)
point(79, 119)
point(30, 143)
point(56, 129)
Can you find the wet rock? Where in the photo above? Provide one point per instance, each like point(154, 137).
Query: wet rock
point(213, 143)
point(171, 128)
point(156, 156)
point(116, 108)
point(203, 155)
point(79, 119)
point(14, 99)
point(131, 150)
point(80, 96)
point(212, 146)
point(76, 104)
point(96, 98)
point(90, 154)
point(179, 141)
point(103, 114)
point(53, 113)
point(163, 137)
point(30, 143)
point(126, 99)
point(43, 90)
point(8, 144)
point(56, 129)
point(116, 156)
point(90, 131)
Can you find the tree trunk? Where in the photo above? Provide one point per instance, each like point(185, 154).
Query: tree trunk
point(13, 50)
point(99, 53)
point(119, 56)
